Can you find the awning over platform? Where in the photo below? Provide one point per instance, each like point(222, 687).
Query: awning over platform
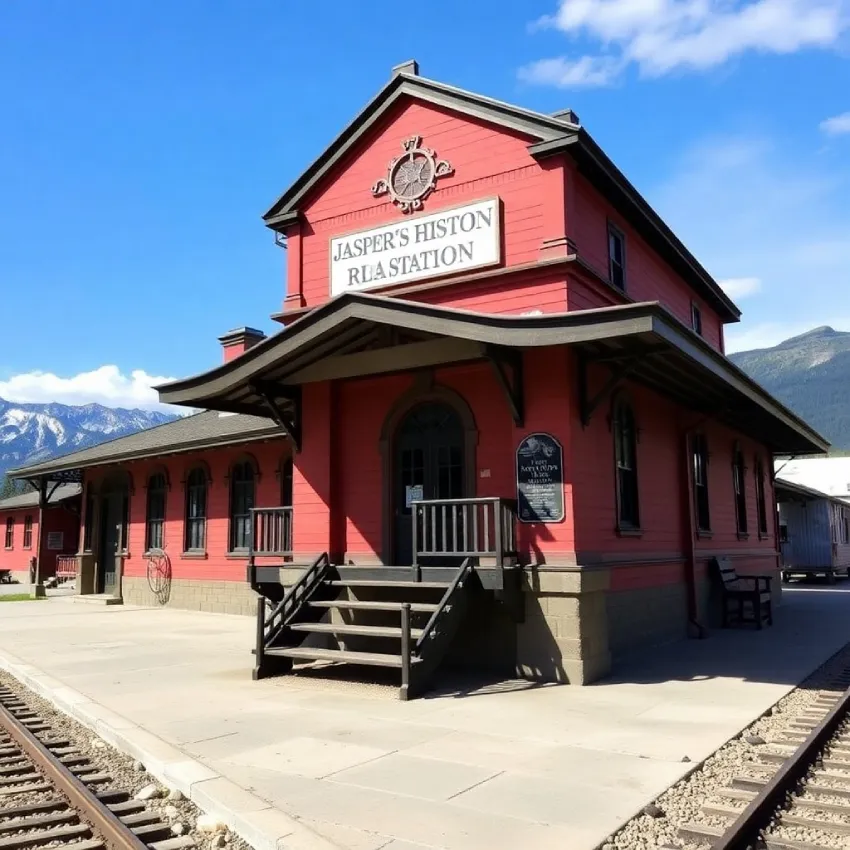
point(356, 335)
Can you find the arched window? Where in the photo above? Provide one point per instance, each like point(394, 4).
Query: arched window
point(760, 498)
point(739, 482)
point(286, 483)
point(196, 511)
point(699, 460)
point(625, 451)
point(156, 511)
point(241, 504)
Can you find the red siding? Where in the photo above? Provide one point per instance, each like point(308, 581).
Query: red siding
point(216, 565)
point(487, 161)
point(56, 518)
point(648, 278)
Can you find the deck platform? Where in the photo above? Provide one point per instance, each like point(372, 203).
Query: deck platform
point(473, 765)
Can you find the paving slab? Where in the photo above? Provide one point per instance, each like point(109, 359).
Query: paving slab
point(293, 763)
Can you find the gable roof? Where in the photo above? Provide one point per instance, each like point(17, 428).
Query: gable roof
point(550, 135)
point(793, 488)
point(208, 429)
point(30, 500)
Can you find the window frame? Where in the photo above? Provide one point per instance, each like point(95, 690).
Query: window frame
point(702, 506)
point(151, 522)
point(10, 533)
point(27, 532)
point(623, 411)
point(200, 520)
point(234, 535)
point(761, 500)
point(615, 232)
point(696, 318)
point(739, 489)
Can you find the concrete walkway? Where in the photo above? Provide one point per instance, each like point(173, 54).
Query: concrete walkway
point(502, 766)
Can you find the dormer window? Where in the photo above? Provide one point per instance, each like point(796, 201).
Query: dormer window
point(616, 257)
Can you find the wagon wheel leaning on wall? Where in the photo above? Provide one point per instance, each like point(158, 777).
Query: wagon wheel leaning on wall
point(159, 574)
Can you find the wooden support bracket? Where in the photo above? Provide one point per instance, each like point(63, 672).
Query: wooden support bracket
point(506, 364)
point(288, 420)
point(619, 373)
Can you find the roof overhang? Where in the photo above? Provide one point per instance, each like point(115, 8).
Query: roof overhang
point(356, 335)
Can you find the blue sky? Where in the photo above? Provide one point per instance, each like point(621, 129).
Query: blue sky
point(141, 141)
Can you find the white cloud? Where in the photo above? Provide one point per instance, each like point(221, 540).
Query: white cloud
point(106, 385)
point(661, 36)
point(587, 72)
point(742, 203)
point(740, 287)
point(838, 125)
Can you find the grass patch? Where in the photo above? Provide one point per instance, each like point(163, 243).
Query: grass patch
point(18, 597)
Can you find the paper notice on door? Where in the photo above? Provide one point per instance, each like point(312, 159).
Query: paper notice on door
point(413, 493)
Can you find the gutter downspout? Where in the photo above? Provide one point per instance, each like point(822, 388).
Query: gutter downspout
point(696, 628)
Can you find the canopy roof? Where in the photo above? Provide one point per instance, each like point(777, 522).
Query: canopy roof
point(356, 334)
point(30, 499)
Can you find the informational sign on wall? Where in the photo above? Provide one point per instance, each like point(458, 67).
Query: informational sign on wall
point(413, 493)
point(424, 246)
point(55, 540)
point(540, 479)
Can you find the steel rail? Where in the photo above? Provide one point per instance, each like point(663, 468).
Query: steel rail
point(757, 815)
point(115, 834)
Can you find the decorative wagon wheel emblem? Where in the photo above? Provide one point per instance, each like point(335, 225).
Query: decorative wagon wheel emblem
point(159, 574)
point(412, 176)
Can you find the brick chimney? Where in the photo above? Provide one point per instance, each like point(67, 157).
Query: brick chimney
point(238, 341)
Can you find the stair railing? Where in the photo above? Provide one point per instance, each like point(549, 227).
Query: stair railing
point(271, 624)
point(419, 660)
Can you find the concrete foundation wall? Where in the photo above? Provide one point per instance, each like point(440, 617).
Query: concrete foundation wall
point(220, 597)
point(646, 617)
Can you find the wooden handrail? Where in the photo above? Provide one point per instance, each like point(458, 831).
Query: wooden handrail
point(271, 532)
point(483, 527)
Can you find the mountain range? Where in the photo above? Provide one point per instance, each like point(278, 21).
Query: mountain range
point(810, 374)
point(33, 432)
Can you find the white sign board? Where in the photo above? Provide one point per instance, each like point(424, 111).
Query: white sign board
point(445, 242)
point(413, 493)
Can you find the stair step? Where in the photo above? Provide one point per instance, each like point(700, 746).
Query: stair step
point(346, 629)
point(357, 605)
point(370, 659)
point(362, 582)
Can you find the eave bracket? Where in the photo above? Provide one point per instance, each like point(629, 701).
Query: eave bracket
point(506, 364)
point(289, 420)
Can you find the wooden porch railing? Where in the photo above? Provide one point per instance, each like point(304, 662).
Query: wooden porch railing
point(67, 567)
point(464, 528)
point(271, 533)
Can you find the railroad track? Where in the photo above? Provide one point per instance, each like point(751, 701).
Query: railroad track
point(52, 795)
point(796, 795)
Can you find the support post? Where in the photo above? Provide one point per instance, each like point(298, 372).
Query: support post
point(259, 652)
point(414, 516)
point(38, 591)
point(405, 693)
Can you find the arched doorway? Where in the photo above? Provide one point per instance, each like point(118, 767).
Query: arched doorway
point(114, 524)
point(428, 463)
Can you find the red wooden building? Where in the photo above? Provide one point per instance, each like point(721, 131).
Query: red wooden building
point(498, 422)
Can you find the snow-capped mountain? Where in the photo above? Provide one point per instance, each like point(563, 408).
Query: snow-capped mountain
point(32, 432)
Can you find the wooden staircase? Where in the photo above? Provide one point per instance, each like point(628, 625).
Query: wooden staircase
point(331, 615)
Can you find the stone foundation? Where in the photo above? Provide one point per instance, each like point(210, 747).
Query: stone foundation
point(219, 597)
point(565, 634)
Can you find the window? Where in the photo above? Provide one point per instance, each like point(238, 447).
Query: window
point(699, 451)
point(156, 511)
point(760, 500)
point(88, 526)
point(616, 257)
point(27, 532)
point(739, 472)
point(286, 483)
point(10, 532)
point(625, 451)
point(696, 318)
point(125, 523)
point(241, 504)
point(196, 511)
point(783, 533)
point(846, 528)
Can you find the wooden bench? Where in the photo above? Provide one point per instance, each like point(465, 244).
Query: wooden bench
point(748, 599)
